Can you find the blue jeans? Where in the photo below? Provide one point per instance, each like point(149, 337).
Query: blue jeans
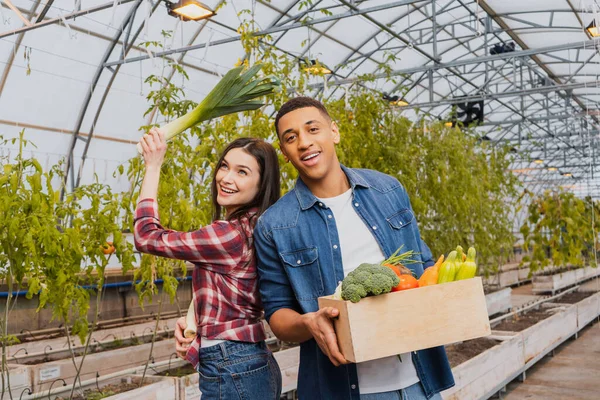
point(414, 392)
point(238, 370)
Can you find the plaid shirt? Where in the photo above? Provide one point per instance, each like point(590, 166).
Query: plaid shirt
point(225, 279)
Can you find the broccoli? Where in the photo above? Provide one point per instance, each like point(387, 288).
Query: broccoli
point(368, 280)
point(354, 292)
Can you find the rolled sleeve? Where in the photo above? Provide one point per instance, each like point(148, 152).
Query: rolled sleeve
point(219, 246)
point(275, 288)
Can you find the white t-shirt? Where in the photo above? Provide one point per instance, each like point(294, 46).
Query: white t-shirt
point(358, 245)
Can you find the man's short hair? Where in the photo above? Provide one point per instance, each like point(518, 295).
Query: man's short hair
point(297, 103)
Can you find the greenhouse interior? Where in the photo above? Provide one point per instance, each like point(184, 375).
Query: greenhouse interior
point(300, 199)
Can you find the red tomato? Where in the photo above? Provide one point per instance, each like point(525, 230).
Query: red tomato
point(108, 248)
point(406, 282)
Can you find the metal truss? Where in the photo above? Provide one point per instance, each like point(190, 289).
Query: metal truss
point(532, 104)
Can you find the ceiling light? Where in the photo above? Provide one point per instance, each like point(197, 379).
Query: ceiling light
point(567, 174)
point(189, 10)
point(395, 100)
point(538, 161)
point(552, 169)
point(501, 48)
point(314, 67)
point(592, 29)
point(399, 103)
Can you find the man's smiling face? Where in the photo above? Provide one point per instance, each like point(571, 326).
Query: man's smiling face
point(307, 139)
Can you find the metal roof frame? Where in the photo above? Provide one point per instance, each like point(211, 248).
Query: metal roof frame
point(528, 87)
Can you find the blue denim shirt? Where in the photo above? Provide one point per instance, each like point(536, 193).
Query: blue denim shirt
point(299, 260)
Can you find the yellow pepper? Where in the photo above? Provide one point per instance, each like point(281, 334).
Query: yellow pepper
point(448, 268)
point(468, 269)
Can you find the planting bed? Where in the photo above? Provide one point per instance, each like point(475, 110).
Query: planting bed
point(45, 349)
point(480, 376)
point(498, 301)
point(101, 363)
point(180, 371)
point(523, 321)
point(461, 352)
point(126, 388)
point(109, 390)
point(553, 281)
point(509, 275)
point(574, 297)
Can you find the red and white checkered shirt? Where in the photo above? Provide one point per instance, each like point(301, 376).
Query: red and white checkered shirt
point(224, 279)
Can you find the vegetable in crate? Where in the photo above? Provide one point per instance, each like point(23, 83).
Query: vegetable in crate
point(233, 93)
point(467, 269)
point(190, 320)
point(406, 282)
point(368, 280)
point(448, 268)
point(430, 275)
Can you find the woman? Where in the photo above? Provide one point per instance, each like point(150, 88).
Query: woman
point(229, 351)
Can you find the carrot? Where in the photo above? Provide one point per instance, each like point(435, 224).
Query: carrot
point(439, 262)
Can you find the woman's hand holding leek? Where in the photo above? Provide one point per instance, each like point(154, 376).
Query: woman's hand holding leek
point(154, 147)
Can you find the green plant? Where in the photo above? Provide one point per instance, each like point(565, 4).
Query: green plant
point(561, 230)
point(55, 248)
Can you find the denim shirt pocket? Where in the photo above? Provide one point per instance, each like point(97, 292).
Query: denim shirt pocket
point(401, 219)
point(304, 272)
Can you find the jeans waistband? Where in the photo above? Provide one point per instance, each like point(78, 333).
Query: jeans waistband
point(228, 348)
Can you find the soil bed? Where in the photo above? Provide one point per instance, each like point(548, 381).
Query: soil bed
point(574, 297)
point(109, 390)
point(458, 353)
point(557, 271)
point(520, 322)
point(178, 372)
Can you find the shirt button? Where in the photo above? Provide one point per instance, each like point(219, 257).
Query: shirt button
point(298, 262)
point(335, 246)
point(329, 216)
point(400, 223)
point(374, 228)
point(353, 386)
point(356, 204)
point(321, 204)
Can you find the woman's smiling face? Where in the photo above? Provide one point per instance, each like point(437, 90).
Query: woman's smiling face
point(237, 179)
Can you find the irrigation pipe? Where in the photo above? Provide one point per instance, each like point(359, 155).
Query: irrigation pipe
point(95, 343)
point(105, 286)
point(117, 321)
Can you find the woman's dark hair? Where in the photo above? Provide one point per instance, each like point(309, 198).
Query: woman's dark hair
point(269, 185)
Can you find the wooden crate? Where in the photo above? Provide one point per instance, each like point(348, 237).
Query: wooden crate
point(160, 389)
point(481, 375)
point(410, 320)
point(524, 274)
point(103, 363)
point(288, 361)
point(553, 283)
point(187, 386)
point(588, 310)
point(542, 337)
point(499, 301)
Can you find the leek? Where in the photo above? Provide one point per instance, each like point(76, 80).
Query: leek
point(236, 92)
point(190, 320)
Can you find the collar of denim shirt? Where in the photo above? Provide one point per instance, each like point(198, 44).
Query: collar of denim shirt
point(307, 199)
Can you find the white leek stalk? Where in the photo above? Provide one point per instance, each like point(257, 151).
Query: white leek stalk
point(234, 93)
point(190, 320)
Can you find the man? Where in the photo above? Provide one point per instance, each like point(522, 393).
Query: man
point(333, 220)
